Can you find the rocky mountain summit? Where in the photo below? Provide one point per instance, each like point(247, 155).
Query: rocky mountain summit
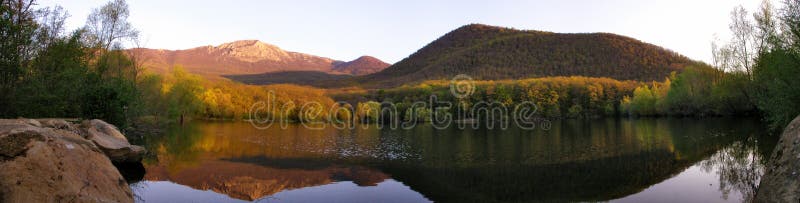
point(248, 57)
point(254, 51)
point(53, 160)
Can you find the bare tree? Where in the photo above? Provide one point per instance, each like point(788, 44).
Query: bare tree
point(107, 26)
point(743, 49)
point(791, 17)
point(749, 38)
point(137, 57)
point(107, 31)
point(722, 56)
point(768, 27)
point(51, 25)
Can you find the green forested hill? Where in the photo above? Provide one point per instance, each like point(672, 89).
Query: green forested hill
point(490, 53)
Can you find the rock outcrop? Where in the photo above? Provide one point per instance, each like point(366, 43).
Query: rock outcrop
point(108, 138)
point(51, 160)
point(781, 182)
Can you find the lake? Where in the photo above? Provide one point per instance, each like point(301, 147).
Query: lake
point(617, 160)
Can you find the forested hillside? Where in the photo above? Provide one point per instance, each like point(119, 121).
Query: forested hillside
point(491, 53)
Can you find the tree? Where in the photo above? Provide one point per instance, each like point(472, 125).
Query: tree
point(17, 28)
point(546, 100)
point(108, 25)
point(51, 26)
point(689, 91)
point(770, 56)
point(369, 112)
point(791, 20)
point(106, 30)
point(744, 45)
point(183, 95)
point(644, 101)
point(767, 26)
point(108, 99)
point(55, 80)
point(151, 95)
point(731, 95)
point(778, 87)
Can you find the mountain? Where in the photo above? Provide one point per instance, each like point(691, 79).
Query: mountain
point(344, 70)
point(310, 78)
point(491, 53)
point(248, 57)
point(361, 66)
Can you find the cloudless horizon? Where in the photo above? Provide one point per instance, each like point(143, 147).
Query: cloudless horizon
point(390, 31)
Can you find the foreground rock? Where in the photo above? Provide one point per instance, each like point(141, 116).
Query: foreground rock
point(781, 182)
point(108, 138)
point(51, 160)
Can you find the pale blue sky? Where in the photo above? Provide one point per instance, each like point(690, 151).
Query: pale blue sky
point(392, 30)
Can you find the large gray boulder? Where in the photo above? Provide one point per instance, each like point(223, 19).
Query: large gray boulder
point(41, 164)
point(109, 139)
point(781, 182)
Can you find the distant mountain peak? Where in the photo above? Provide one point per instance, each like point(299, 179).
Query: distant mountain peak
point(253, 51)
point(366, 58)
point(246, 43)
point(361, 66)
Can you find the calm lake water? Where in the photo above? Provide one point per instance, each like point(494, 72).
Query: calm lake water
point(617, 160)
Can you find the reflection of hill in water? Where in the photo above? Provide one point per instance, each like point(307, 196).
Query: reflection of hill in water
point(576, 161)
point(249, 181)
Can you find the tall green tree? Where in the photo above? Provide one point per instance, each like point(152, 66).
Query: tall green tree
point(690, 90)
point(17, 28)
point(55, 81)
point(112, 86)
point(776, 79)
point(183, 96)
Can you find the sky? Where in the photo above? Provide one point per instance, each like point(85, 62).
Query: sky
point(392, 30)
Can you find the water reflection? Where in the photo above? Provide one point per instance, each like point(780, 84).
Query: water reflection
point(739, 167)
point(596, 160)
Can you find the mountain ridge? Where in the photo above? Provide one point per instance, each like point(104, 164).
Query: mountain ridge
point(243, 57)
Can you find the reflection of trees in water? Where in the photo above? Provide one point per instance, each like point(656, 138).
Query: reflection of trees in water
point(574, 161)
point(739, 167)
point(137, 188)
point(578, 181)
